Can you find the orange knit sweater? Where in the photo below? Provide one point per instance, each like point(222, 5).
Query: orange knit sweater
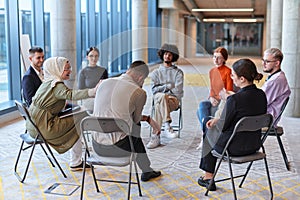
point(219, 79)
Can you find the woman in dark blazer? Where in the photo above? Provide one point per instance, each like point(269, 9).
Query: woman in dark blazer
point(248, 101)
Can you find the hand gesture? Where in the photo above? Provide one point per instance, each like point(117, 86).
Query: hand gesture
point(211, 123)
point(92, 91)
point(213, 101)
point(224, 94)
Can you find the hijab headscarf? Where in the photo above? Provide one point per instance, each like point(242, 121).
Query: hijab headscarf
point(53, 68)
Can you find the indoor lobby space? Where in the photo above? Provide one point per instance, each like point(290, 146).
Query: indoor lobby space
point(125, 31)
point(178, 159)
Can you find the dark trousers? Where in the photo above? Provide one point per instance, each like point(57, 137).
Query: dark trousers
point(208, 161)
point(210, 139)
point(122, 148)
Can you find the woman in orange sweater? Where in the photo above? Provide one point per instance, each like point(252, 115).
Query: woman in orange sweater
point(220, 78)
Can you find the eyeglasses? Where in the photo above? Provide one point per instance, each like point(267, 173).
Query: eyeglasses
point(267, 61)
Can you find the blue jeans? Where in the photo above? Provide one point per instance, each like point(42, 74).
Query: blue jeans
point(205, 109)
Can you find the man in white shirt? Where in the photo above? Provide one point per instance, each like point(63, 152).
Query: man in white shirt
point(123, 97)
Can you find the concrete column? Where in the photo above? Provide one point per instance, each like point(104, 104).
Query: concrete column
point(267, 27)
point(276, 23)
point(173, 25)
point(164, 25)
point(191, 38)
point(173, 28)
point(139, 30)
point(291, 51)
point(63, 33)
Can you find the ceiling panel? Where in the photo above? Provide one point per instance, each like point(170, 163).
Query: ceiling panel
point(258, 5)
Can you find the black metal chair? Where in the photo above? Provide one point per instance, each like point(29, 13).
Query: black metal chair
point(31, 143)
point(278, 132)
point(249, 124)
point(177, 126)
point(117, 158)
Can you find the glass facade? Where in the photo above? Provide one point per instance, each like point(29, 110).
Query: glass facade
point(238, 38)
point(47, 31)
point(3, 57)
point(104, 24)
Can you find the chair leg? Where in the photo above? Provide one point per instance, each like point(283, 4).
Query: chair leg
point(283, 153)
point(21, 179)
point(82, 183)
point(269, 179)
point(232, 180)
point(180, 122)
point(152, 114)
point(245, 175)
point(47, 155)
point(137, 178)
point(94, 177)
point(213, 178)
point(18, 157)
point(53, 157)
point(129, 180)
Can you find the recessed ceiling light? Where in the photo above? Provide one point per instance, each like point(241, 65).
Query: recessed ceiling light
point(223, 9)
point(244, 20)
point(235, 20)
point(213, 20)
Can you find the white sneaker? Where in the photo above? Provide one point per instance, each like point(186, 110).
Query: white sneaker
point(154, 141)
point(170, 133)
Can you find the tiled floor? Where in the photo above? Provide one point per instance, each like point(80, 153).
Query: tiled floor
point(178, 159)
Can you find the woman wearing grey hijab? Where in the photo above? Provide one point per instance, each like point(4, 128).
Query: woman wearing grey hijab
point(51, 97)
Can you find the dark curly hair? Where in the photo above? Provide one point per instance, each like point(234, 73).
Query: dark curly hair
point(168, 48)
point(247, 69)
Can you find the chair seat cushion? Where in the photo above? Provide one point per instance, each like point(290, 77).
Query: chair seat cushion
point(28, 139)
point(241, 159)
point(111, 161)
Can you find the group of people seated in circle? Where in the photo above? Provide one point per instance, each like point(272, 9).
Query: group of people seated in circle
point(233, 95)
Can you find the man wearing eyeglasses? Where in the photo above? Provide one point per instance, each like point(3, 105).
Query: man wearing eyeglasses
point(276, 86)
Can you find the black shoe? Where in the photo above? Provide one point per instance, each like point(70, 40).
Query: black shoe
point(146, 176)
point(79, 167)
point(205, 183)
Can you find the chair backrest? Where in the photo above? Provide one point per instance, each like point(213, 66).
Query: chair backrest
point(104, 125)
point(251, 123)
point(25, 114)
point(276, 120)
point(22, 110)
